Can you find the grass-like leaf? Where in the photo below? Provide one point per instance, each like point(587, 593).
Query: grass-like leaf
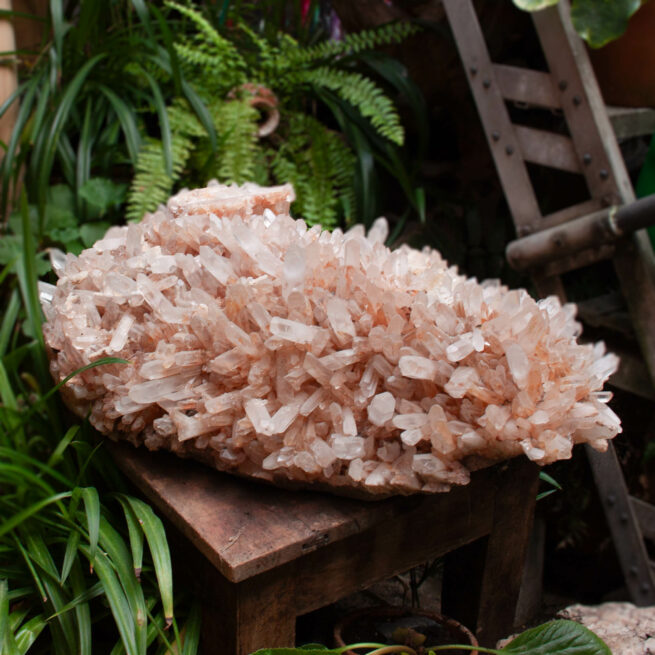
point(13, 521)
point(118, 603)
point(135, 534)
point(155, 535)
point(92, 510)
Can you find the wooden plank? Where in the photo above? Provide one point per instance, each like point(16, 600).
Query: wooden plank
point(526, 86)
point(245, 528)
point(493, 113)
point(547, 149)
point(628, 122)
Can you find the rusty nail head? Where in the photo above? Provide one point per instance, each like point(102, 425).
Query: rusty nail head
point(486, 82)
point(473, 70)
point(611, 499)
point(495, 135)
point(586, 158)
point(603, 174)
point(577, 100)
point(509, 150)
point(563, 84)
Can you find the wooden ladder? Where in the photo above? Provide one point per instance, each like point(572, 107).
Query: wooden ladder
point(590, 150)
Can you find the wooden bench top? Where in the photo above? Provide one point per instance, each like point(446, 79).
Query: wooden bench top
point(245, 528)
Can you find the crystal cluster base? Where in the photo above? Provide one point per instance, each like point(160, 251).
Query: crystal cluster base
point(286, 353)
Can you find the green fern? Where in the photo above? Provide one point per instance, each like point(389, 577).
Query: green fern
point(351, 44)
point(217, 57)
point(318, 162)
point(319, 165)
point(151, 185)
point(236, 127)
point(362, 93)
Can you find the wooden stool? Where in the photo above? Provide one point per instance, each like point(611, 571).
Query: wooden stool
point(266, 555)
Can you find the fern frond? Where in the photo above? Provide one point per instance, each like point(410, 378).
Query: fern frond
point(236, 129)
point(151, 185)
point(363, 94)
point(352, 44)
point(214, 54)
point(320, 166)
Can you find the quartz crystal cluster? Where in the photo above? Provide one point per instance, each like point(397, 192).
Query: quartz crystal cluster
point(273, 350)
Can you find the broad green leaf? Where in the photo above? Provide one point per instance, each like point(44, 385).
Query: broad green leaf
point(92, 232)
point(601, 21)
point(102, 193)
point(534, 5)
point(559, 637)
point(10, 248)
point(303, 651)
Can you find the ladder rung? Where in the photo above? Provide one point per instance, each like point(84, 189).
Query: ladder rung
point(631, 121)
point(645, 515)
point(547, 149)
point(527, 86)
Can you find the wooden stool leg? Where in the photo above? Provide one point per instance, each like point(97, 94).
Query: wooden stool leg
point(240, 618)
point(482, 580)
point(507, 549)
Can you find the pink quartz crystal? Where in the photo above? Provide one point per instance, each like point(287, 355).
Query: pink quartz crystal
point(285, 353)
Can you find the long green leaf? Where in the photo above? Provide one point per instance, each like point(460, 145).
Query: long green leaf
point(40, 553)
point(70, 555)
point(82, 610)
point(118, 602)
point(127, 119)
point(135, 534)
point(28, 632)
point(58, 25)
point(83, 161)
point(61, 116)
point(12, 522)
point(155, 534)
point(112, 543)
point(164, 123)
point(8, 163)
point(9, 317)
point(92, 510)
point(191, 636)
point(4, 610)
